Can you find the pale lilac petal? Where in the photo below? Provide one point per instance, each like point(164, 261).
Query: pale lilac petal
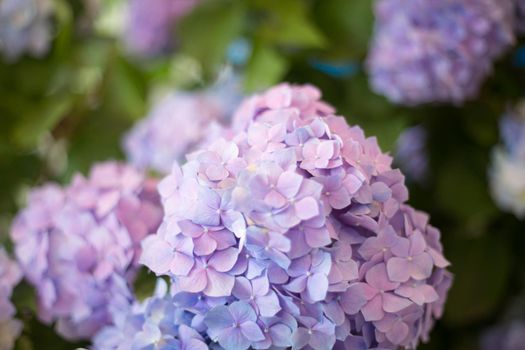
point(378, 278)
point(317, 287)
point(181, 264)
point(393, 303)
point(307, 208)
point(268, 304)
point(224, 260)
point(300, 338)
point(373, 310)
point(399, 269)
point(397, 333)
point(157, 255)
point(204, 245)
point(421, 266)
point(289, 183)
point(195, 282)
point(297, 285)
point(242, 312)
point(251, 331)
point(219, 284)
point(232, 338)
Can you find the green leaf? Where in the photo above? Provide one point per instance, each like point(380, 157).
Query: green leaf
point(348, 22)
point(144, 285)
point(288, 23)
point(265, 68)
point(42, 118)
point(64, 17)
point(206, 33)
point(125, 92)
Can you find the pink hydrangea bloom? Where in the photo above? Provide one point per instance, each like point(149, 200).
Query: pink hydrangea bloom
point(10, 275)
point(297, 229)
point(79, 245)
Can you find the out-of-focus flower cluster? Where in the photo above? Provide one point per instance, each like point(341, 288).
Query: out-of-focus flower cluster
point(179, 123)
point(437, 51)
point(295, 233)
point(411, 153)
point(510, 336)
point(507, 174)
point(151, 23)
point(25, 26)
point(10, 275)
point(79, 245)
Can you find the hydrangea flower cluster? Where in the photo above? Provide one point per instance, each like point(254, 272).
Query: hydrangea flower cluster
point(510, 336)
point(437, 51)
point(295, 233)
point(177, 124)
point(411, 154)
point(79, 245)
point(10, 275)
point(25, 26)
point(150, 24)
point(507, 174)
point(159, 322)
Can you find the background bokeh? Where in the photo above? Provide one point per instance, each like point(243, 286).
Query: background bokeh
point(65, 110)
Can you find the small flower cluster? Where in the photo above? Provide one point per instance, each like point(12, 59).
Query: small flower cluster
point(507, 174)
point(79, 245)
point(295, 233)
point(10, 275)
point(437, 51)
point(509, 336)
point(411, 153)
point(177, 124)
point(25, 26)
point(150, 24)
point(159, 322)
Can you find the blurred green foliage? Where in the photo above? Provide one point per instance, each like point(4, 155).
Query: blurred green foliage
point(62, 113)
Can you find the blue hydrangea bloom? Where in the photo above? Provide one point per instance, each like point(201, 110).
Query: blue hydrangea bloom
point(24, 27)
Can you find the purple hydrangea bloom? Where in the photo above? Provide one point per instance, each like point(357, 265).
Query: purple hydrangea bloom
point(25, 26)
point(151, 23)
point(295, 233)
point(507, 180)
point(10, 275)
point(176, 125)
point(79, 245)
point(437, 51)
